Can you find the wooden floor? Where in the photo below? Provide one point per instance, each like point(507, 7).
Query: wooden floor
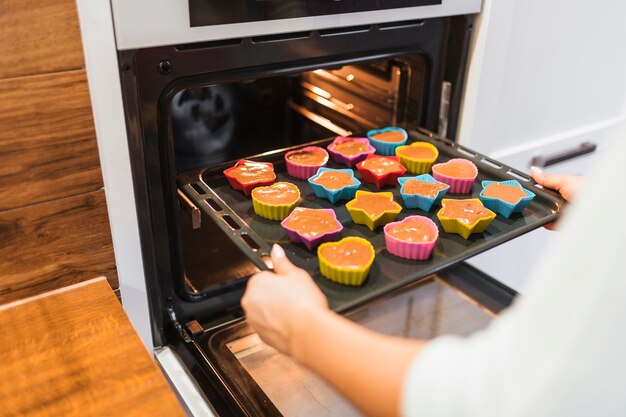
point(73, 352)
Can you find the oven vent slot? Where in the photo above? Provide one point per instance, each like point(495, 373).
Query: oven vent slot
point(197, 188)
point(250, 242)
point(231, 222)
point(281, 37)
point(402, 24)
point(213, 204)
point(517, 175)
point(491, 163)
point(345, 30)
point(210, 44)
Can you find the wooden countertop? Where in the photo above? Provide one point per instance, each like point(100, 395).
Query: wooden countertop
point(73, 352)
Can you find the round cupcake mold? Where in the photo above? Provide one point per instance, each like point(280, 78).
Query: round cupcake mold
point(417, 165)
point(419, 201)
point(344, 193)
point(386, 148)
point(273, 211)
point(304, 172)
point(411, 250)
point(343, 274)
point(502, 207)
point(457, 185)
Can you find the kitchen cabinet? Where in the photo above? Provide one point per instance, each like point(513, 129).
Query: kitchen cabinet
point(54, 227)
point(73, 352)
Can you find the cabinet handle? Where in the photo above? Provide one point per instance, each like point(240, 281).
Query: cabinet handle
point(547, 160)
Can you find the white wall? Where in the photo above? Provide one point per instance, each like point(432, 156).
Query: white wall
point(545, 76)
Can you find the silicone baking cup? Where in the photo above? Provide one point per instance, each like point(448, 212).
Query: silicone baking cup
point(273, 211)
point(312, 242)
point(349, 160)
point(304, 172)
point(344, 193)
point(457, 185)
point(389, 178)
point(419, 201)
point(360, 216)
point(343, 274)
point(417, 165)
point(502, 207)
point(386, 148)
point(453, 225)
point(411, 250)
point(248, 187)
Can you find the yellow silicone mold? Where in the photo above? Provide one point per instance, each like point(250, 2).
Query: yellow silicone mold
point(453, 225)
point(414, 165)
point(359, 216)
point(344, 274)
point(273, 211)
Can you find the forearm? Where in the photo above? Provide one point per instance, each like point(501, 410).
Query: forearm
point(366, 367)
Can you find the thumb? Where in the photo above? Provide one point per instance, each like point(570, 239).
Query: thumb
point(552, 181)
point(282, 265)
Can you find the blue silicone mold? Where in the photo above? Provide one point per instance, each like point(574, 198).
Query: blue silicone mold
point(345, 193)
point(502, 207)
point(420, 201)
point(386, 148)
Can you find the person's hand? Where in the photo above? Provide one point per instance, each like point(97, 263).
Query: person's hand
point(566, 185)
point(276, 303)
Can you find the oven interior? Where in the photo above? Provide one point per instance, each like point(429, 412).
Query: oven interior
point(194, 106)
point(226, 122)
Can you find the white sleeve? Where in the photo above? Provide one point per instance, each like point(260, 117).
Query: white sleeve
point(560, 350)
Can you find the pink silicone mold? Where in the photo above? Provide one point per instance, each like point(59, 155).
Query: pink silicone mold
point(457, 185)
point(411, 250)
point(304, 172)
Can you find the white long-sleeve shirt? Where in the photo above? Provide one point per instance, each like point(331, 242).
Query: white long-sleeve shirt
point(560, 350)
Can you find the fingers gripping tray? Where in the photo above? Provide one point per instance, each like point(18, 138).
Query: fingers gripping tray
point(234, 215)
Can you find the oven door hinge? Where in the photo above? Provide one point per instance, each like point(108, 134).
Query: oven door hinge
point(179, 328)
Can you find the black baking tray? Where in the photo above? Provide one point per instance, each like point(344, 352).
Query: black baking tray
point(233, 213)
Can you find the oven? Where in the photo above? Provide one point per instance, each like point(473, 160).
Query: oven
point(181, 90)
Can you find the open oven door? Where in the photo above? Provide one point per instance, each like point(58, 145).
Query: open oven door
point(241, 376)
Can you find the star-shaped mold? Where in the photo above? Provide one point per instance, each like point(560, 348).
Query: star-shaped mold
point(421, 191)
point(312, 226)
point(334, 184)
point(246, 175)
point(464, 216)
point(373, 209)
point(381, 170)
point(349, 151)
point(505, 197)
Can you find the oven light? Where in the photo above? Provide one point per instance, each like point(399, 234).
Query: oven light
point(350, 77)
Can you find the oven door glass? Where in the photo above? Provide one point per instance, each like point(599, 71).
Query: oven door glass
point(457, 302)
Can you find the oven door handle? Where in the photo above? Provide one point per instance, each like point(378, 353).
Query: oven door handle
point(543, 161)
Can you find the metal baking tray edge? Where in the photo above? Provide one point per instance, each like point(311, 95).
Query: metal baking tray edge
point(209, 190)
